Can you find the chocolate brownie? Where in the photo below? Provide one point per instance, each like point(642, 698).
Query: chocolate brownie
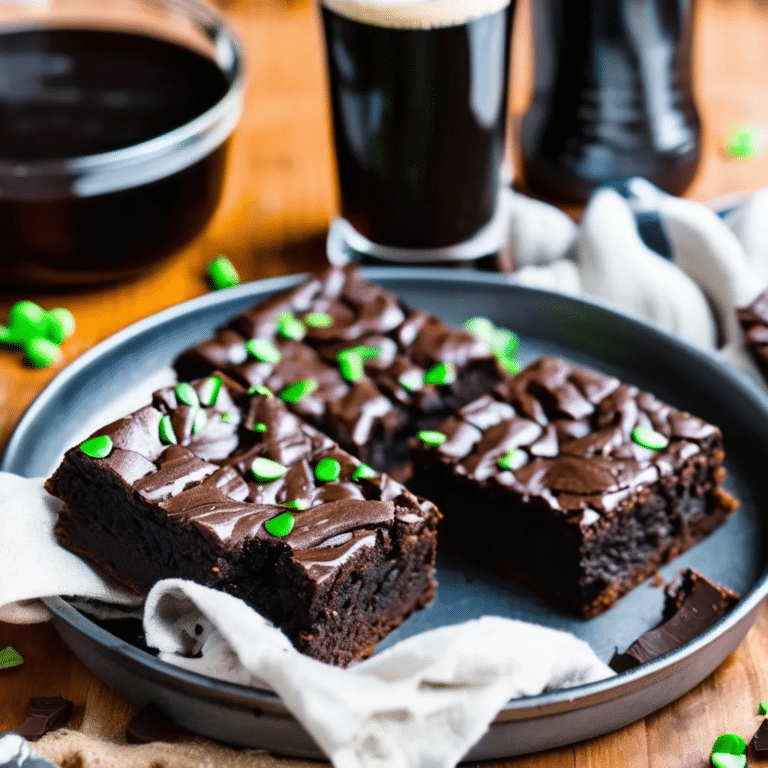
point(226, 487)
point(754, 322)
point(577, 482)
point(692, 604)
point(351, 359)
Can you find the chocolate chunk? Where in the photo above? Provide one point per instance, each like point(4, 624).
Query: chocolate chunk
point(758, 746)
point(44, 715)
point(692, 604)
point(150, 724)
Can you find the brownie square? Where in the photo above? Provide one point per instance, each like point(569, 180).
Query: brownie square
point(573, 481)
point(352, 360)
point(229, 489)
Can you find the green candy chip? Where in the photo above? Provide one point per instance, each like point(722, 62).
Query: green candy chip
point(222, 274)
point(442, 373)
point(481, 327)
point(263, 349)
point(199, 423)
point(260, 426)
point(167, 435)
point(318, 320)
point(649, 438)
point(513, 459)
point(27, 320)
point(59, 325)
point(351, 365)
point(762, 708)
point(295, 392)
point(228, 418)
point(432, 437)
point(281, 525)
point(728, 760)
point(363, 472)
point(185, 393)
point(327, 469)
point(10, 657)
point(209, 391)
point(266, 470)
point(730, 743)
point(260, 389)
point(300, 504)
point(97, 447)
point(290, 327)
point(40, 353)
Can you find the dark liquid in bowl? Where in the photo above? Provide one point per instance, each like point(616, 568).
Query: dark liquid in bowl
point(68, 93)
point(419, 125)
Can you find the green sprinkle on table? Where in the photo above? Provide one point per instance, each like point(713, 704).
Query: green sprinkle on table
point(295, 392)
point(59, 325)
point(281, 525)
point(290, 327)
point(260, 426)
point(167, 435)
point(97, 447)
point(222, 274)
point(729, 743)
point(649, 438)
point(432, 437)
point(266, 470)
point(351, 365)
point(199, 423)
point(762, 708)
point(263, 349)
point(260, 389)
point(40, 353)
point(27, 319)
point(10, 657)
point(209, 391)
point(185, 393)
point(318, 320)
point(327, 469)
point(513, 459)
point(300, 504)
point(442, 373)
point(363, 472)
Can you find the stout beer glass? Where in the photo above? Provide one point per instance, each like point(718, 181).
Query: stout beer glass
point(419, 105)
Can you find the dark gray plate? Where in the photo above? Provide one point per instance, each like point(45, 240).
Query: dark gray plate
point(583, 332)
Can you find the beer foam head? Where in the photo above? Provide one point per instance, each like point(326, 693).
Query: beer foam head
point(414, 14)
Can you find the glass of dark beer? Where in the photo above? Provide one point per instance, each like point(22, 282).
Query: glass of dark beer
point(419, 104)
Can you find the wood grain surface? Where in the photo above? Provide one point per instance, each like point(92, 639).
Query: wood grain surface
point(278, 199)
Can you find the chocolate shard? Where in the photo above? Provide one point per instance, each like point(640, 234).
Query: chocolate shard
point(758, 746)
point(692, 604)
point(45, 714)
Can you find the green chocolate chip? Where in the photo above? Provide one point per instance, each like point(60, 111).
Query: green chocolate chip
point(366, 351)
point(318, 320)
point(290, 327)
point(513, 459)
point(222, 274)
point(509, 364)
point(185, 393)
point(727, 760)
point(442, 373)
point(209, 391)
point(59, 325)
point(97, 447)
point(351, 365)
point(199, 423)
point(40, 353)
point(263, 349)
point(432, 437)
point(281, 525)
point(481, 327)
point(327, 469)
point(167, 435)
point(259, 426)
point(730, 743)
point(649, 438)
point(266, 470)
point(762, 708)
point(363, 472)
point(411, 381)
point(229, 418)
point(298, 390)
point(504, 343)
point(7, 336)
point(260, 389)
point(10, 657)
point(300, 504)
point(27, 319)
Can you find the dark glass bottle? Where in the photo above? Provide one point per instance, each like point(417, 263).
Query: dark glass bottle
point(612, 97)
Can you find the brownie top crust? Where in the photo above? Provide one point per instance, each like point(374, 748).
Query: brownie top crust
point(352, 359)
point(239, 467)
point(573, 438)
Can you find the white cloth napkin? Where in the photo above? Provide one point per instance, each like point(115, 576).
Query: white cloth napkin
point(426, 701)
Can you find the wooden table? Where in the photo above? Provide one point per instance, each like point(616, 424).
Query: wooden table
point(272, 220)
